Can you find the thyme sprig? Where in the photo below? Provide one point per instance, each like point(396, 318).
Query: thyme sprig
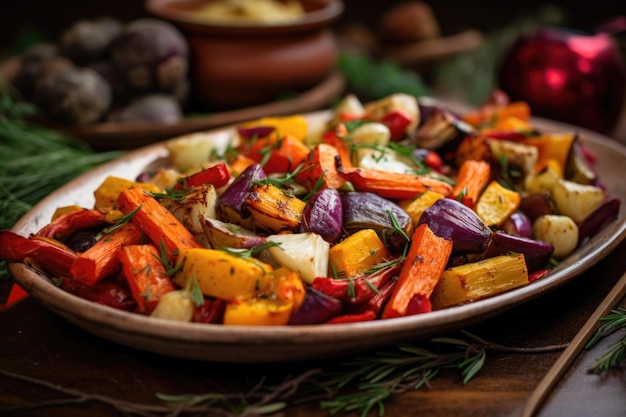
point(615, 355)
point(396, 226)
point(249, 253)
point(282, 181)
point(122, 220)
point(170, 268)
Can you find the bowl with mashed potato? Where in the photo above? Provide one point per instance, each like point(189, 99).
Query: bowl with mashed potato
point(249, 52)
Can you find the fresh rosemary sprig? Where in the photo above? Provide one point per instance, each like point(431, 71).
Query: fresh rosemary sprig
point(122, 220)
point(359, 385)
point(35, 160)
point(283, 181)
point(408, 367)
point(193, 288)
point(615, 354)
point(163, 257)
point(249, 253)
point(364, 383)
point(396, 226)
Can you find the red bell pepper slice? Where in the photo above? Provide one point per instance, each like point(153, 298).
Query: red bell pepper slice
point(367, 315)
point(16, 295)
point(434, 161)
point(212, 311)
point(356, 290)
point(110, 292)
point(49, 254)
point(217, 175)
point(534, 276)
point(70, 222)
point(397, 121)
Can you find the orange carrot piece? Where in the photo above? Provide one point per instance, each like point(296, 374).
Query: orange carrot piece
point(101, 259)
point(286, 153)
point(490, 113)
point(240, 163)
point(156, 221)
point(422, 269)
point(473, 146)
point(321, 163)
point(394, 185)
point(337, 137)
point(145, 274)
point(472, 178)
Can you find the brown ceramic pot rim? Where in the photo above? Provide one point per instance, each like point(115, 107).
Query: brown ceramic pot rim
point(178, 12)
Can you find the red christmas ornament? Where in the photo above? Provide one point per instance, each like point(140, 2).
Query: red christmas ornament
point(566, 75)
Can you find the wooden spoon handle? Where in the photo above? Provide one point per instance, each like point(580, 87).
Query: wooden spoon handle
point(577, 344)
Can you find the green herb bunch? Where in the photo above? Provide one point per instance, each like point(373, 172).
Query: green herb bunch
point(34, 160)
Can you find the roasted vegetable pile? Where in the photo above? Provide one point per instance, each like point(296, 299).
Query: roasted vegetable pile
point(388, 209)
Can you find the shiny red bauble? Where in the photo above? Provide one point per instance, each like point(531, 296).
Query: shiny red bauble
point(566, 75)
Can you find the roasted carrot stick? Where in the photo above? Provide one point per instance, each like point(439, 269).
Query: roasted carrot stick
point(156, 221)
point(472, 178)
point(321, 164)
point(239, 164)
point(394, 185)
point(338, 138)
point(277, 154)
point(101, 259)
point(422, 269)
point(145, 274)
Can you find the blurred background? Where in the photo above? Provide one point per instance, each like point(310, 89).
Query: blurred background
point(50, 17)
point(463, 63)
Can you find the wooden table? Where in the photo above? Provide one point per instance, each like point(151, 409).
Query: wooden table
point(36, 343)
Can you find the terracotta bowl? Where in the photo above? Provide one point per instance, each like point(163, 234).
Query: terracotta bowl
point(238, 65)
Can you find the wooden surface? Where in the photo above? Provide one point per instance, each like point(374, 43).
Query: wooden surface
point(37, 344)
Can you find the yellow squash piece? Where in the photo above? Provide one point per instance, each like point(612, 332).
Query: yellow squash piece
point(257, 312)
point(357, 253)
point(417, 206)
point(496, 204)
point(222, 275)
point(555, 146)
point(478, 280)
point(64, 210)
point(107, 193)
point(273, 307)
point(294, 125)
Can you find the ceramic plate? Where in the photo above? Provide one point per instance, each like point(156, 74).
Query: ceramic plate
point(290, 343)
